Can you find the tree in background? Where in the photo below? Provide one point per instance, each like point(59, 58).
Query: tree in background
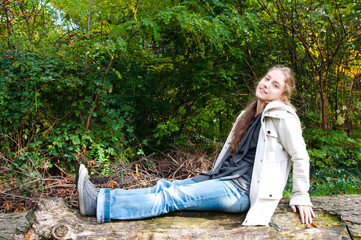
point(320, 40)
point(108, 79)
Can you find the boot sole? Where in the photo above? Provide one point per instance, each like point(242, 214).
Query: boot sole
point(82, 173)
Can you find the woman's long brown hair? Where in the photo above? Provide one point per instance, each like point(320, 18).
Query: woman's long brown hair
point(248, 116)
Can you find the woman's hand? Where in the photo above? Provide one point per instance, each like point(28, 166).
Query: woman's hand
point(306, 213)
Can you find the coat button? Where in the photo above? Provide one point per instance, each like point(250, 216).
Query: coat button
point(270, 195)
point(268, 132)
point(261, 160)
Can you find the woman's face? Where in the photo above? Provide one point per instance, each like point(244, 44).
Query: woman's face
point(271, 87)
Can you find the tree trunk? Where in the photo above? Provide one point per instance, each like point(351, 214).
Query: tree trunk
point(88, 30)
point(324, 103)
point(8, 21)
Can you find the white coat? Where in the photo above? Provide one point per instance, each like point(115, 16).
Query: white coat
point(280, 143)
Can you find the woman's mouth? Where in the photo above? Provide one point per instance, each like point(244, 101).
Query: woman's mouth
point(262, 90)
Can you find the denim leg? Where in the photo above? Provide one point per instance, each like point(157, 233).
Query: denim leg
point(170, 196)
point(104, 196)
point(162, 183)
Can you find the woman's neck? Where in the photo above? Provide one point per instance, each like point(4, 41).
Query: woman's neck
point(260, 106)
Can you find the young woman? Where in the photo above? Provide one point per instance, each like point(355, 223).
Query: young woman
point(250, 172)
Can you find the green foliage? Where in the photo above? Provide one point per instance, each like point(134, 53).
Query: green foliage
point(332, 148)
point(331, 181)
point(110, 81)
point(335, 181)
point(44, 106)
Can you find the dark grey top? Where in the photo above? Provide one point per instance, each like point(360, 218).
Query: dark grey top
point(238, 168)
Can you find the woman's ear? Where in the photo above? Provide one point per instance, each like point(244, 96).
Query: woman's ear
point(282, 98)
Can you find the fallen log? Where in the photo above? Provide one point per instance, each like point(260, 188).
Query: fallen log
point(337, 217)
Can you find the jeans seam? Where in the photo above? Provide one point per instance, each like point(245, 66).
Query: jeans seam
point(185, 207)
point(107, 205)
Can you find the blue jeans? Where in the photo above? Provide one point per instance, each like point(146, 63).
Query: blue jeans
point(166, 196)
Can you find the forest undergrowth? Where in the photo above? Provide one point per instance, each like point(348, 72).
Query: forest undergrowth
point(172, 165)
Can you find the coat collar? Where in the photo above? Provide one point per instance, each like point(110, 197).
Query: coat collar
point(277, 109)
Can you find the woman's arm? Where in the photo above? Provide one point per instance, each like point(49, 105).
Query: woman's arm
point(290, 133)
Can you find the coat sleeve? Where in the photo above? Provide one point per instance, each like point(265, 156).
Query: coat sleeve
point(290, 133)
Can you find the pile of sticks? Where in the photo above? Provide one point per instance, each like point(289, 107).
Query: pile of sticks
point(145, 172)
